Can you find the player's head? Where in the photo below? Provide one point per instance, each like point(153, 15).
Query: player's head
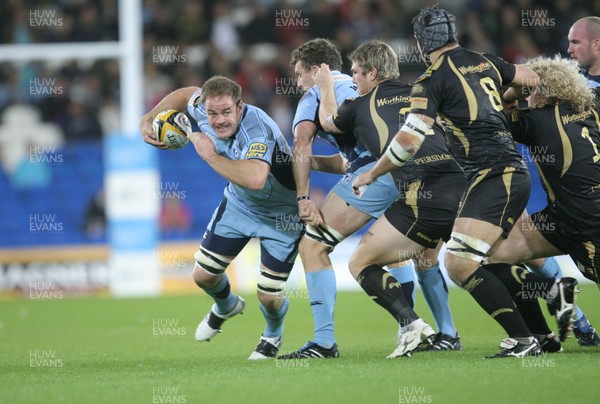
point(560, 81)
point(584, 42)
point(434, 28)
point(307, 58)
point(372, 63)
point(222, 99)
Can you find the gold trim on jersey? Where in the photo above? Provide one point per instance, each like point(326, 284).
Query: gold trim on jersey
point(380, 125)
point(471, 99)
point(427, 73)
point(596, 117)
point(500, 311)
point(545, 181)
point(591, 250)
point(412, 196)
point(459, 134)
point(507, 180)
point(566, 143)
point(481, 175)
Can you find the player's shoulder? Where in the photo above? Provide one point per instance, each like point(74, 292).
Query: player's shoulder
point(434, 68)
point(257, 122)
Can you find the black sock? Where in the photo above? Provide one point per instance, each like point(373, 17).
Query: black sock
point(407, 289)
point(386, 292)
point(526, 300)
point(492, 296)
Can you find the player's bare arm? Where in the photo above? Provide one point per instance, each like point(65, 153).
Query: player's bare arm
point(304, 134)
point(251, 173)
point(328, 105)
point(334, 164)
point(524, 78)
point(178, 100)
point(406, 144)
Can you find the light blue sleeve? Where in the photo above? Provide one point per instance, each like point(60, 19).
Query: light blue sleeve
point(308, 108)
point(261, 132)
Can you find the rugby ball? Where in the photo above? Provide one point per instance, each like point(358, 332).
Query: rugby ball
point(171, 127)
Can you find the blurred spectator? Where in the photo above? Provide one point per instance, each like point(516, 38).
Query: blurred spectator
point(224, 35)
point(95, 217)
point(33, 169)
point(261, 28)
point(81, 124)
point(193, 25)
point(23, 137)
point(175, 218)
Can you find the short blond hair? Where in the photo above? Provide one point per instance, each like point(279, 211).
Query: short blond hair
point(377, 55)
point(219, 85)
point(561, 81)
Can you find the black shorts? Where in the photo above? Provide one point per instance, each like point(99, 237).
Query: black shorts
point(426, 209)
point(559, 233)
point(497, 195)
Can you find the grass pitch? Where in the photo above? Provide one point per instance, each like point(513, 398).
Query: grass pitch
point(102, 350)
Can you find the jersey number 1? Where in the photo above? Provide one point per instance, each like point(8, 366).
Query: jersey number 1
point(586, 134)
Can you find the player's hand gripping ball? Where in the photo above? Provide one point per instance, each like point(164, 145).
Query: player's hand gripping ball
point(171, 127)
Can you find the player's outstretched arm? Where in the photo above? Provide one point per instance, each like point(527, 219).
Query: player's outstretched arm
point(405, 144)
point(177, 99)
point(328, 105)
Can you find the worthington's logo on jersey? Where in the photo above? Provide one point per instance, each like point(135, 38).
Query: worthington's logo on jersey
point(393, 100)
point(575, 117)
point(474, 69)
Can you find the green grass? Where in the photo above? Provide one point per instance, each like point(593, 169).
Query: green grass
point(105, 351)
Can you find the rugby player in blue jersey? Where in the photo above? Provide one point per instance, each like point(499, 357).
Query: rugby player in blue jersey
point(245, 146)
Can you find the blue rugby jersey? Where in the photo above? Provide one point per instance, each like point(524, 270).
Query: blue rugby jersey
point(257, 137)
point(308, 110)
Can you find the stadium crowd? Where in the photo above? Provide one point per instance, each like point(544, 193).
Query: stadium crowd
point(187, 42)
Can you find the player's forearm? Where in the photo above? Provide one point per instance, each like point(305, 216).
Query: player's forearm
point(302, 167)
point(246, 173)
point(334, 164)
point(177, 99)
point(402, 148)
point(327, 108)
point(525, 77)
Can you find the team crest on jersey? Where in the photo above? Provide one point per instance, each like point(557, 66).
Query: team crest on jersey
point(417, 89)
point(257, 150)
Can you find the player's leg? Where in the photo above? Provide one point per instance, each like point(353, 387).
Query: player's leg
point(435, 291)
point(404, 273)
point(344, 213)
point(524, 243)
point(221, 243)
point(278, 251)
point(341, 220)
point(584, 332)
point(383, 244)
point(494, 199)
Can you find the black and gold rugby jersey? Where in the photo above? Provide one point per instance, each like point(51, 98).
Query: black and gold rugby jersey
point(463, 87)
point(565, 145)
point(376, 117)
